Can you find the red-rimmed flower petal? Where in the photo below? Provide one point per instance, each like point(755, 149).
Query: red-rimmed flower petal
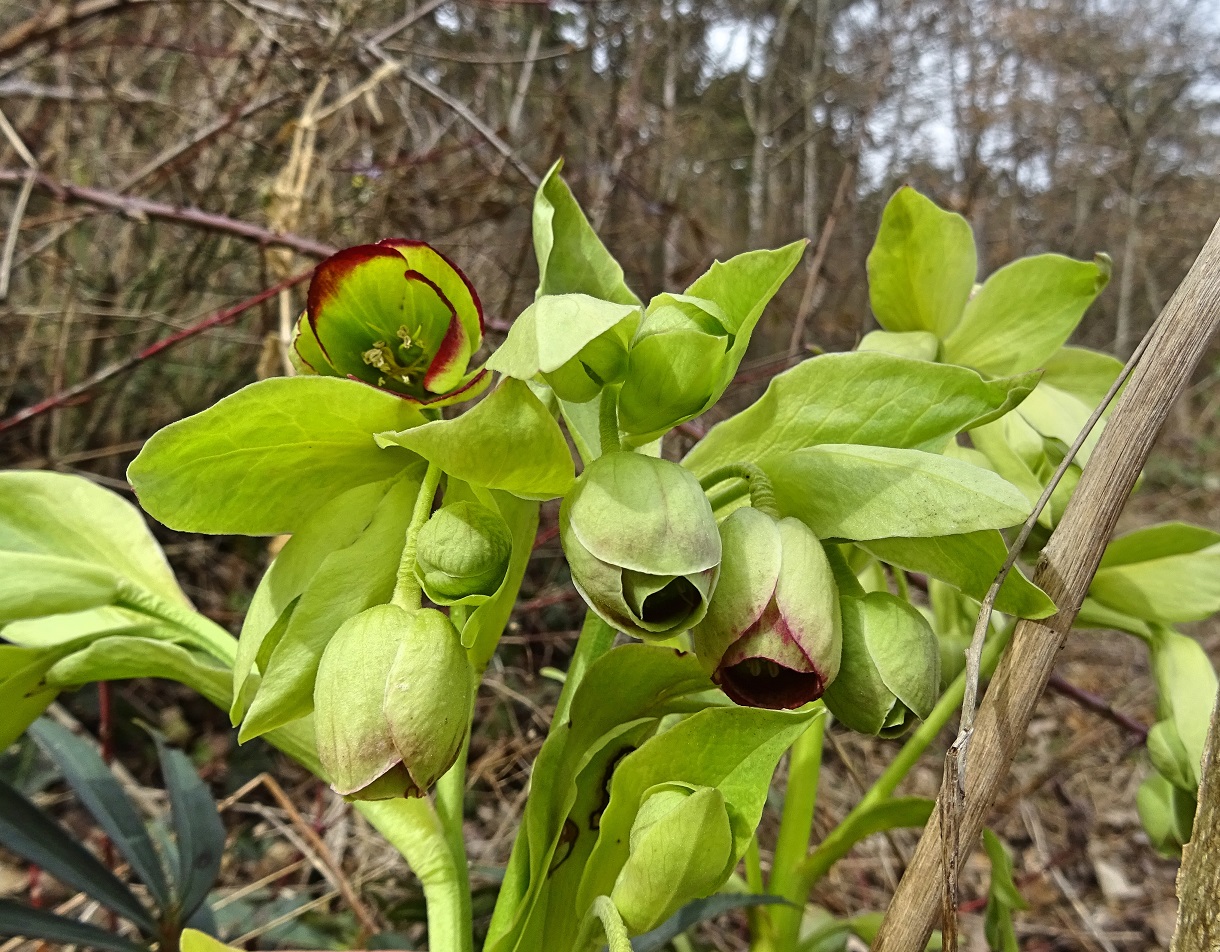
point(452, 281)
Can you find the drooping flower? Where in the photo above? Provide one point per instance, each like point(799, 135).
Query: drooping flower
point(642, 544)
point(771, 637)
point(397, 315)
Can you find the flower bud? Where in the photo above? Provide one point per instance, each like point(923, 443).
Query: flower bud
point(397, 315)
point(890, 673)
point(392, 702)
point(642, 544)
point(681, 849)
point(462, 554)
point(675, 364)
point(772, 636)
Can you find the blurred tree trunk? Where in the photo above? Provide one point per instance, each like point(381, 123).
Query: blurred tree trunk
point(1198, 927)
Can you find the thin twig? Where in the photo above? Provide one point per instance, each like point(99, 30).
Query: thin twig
point(1098, 705)
point(14, 228)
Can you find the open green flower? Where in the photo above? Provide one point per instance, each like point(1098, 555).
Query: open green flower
point(398, 315)
point(772, 635)
point(642, 544)
point(462, 554)
point(392, 703)
point(890, 672)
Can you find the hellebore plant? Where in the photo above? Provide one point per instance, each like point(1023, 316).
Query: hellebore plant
point(810, 561)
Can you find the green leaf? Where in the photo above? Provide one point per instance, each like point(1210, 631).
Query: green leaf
point(31, 834)
point(261, 461)
point(116, 658)
point(100, 793)
point(19, 920)
point(472, 447)
point(970, 563)
point(749, 743)
point(1058, 415)
point(1024, 312)
point(847, 491)
point(195, 941)
point(23, 684)
point(1168, 573)
point(1085, 374)
point(335, 525)
point(920, 345)
point(571, 258)
point(52, 630)
point(868, 398)
point(1002, 897)
point(700, 910)
point(1093, 614)
point(36, 585)
point(552, 330)
point(200, 834)
point(1186, 687)
point(922, 266)
point(57, 514)
point(743, 286)
point(348, 581)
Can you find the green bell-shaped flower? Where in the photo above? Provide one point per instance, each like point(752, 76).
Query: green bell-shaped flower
point(674, 366)
point(771, 637)
point(392, 703)
point(681, 849)
point(462, 554)
point(397, 315)
point(642, 544)
point(890, 672)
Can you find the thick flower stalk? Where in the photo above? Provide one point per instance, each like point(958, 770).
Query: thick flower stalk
point(397, 315)
point(642, 544)
point(771, 637)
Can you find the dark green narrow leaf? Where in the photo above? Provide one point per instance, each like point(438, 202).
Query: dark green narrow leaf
point(19, 920)
point(695, 912)
point(31, 834)
point(103, 797)
point(201, 835)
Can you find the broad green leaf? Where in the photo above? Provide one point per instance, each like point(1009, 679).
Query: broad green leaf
point(32, 835)
point(1024, 313)
point(890, 814)
point(57, 514)
point(970, 563)
point(23, 684)
point(922, 266)
point(36, 585)
point(571, 258)
point(52, 630)
point(847, 491)
point(869, 398)
point(348, 581)
point(261, 461)
point(695, 912)
point(195, 941)
point(1168, 573)
point(919, 345)
point(507, 441)
point(749, 744)
point(336, 525)
point(1002, 897)
point(1167, 814)
point(19, 920)
point(1186, 687)
point(1016, 451)
point(552, 330)
point(101, 794)
point(1093, 614)
point(200, 834)
point(743, 286)
point(116, 658)
point(1058, 415)
point(1085, 374)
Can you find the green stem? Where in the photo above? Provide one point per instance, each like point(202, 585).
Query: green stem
point(762, 495)
point(795, 829)
point(818, 863)
point(596, 638)
point(727, 494)
point(760, 921)
point(608, 420)
point(407, 593)
point(451, 812)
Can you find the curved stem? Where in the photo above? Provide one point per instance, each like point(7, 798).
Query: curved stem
point(451, 811)
point(817, 863)
point(407, 593)
point(608, 420)
point(762, 494)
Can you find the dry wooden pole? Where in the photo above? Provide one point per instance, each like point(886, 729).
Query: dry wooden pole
point(1064, 571)
point(1199, 878)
